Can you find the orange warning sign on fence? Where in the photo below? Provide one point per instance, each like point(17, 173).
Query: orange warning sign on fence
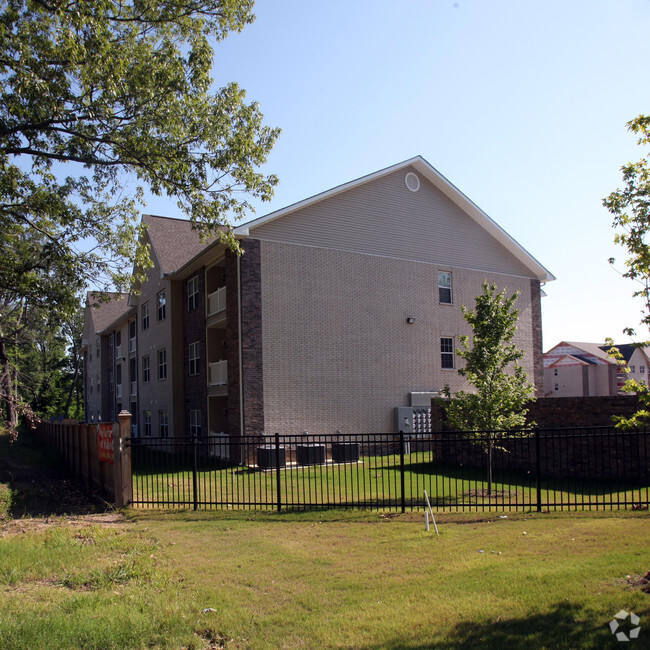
point(105, 443)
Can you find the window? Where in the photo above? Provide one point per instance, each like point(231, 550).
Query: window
point(163, 423)
point(144, 311)
point(97, 348)
point(632, 368)
point(642, 370)
point(555, 372)
point(162, 305)
point(133, 325)
point(162, 364)
point(146, 422)
point(146, 369)
point(193, 293)
point(557, 386)
point(444, 287)
point(98, 383)
point(195, 422)
point(193, 357)
point(447, 352)
point(90, 384)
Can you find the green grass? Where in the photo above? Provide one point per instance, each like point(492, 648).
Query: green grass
point(334, 579)
point(375, 482)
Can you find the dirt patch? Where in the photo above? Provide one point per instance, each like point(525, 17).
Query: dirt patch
point(44, 492)
point(24, 525)
point(638, 581)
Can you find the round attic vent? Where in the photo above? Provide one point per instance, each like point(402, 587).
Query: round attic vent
point(412, 182)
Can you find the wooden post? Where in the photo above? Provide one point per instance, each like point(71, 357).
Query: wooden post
point(122, 460)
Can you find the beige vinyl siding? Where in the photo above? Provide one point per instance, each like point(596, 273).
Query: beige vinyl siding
point(384, 218)
point(338, 352)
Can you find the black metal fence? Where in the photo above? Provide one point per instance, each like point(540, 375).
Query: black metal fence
point(578, 469)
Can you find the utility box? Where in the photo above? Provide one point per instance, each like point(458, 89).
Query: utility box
point(266, 457)
point(310, 454)
point(345, 452)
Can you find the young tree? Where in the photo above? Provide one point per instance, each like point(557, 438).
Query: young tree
point(631, 209)
point(492, 367)
point(97, 97)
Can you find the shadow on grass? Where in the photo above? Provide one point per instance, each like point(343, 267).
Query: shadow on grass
point(565, 626)
point(40, 486)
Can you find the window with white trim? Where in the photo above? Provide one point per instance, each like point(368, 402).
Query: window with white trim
point(195, 422)
point(444, 287)
point(163, 424)
point(193, 293)
point(144, 313)
point(193, 358)
point(162, 364)
point(161, 301)
point(146, 369)
point(146, 422)
point(447, 352)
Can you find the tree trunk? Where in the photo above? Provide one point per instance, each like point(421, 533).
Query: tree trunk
point(490, 449)
point(72, 386)
point(6, 386)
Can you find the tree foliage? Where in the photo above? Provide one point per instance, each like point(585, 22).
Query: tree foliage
point(491, 366)
point(631, 209)
point(502, 392)
point(630, 206)
point(100, 100)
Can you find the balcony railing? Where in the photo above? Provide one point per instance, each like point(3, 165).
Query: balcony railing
point(132, 345)
point(219, 373)
point(118, 351)
point(217, 301)
point(134, 387)
point(118, 390)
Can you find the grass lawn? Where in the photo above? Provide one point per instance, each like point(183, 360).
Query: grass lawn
point(333, 579)
point(375, 483)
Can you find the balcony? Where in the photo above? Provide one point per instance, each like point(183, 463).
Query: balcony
point(134, 388)
point(132, 345)
point(118, 390)
point(118, 351)
point(219, 373)
point(217, 302)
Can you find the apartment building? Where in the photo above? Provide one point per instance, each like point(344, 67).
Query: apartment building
point(341, 309)
point(578, 369)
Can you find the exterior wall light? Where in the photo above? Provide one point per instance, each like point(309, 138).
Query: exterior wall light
point(410, 320)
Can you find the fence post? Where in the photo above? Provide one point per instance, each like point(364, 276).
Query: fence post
point(194, 472)
point(277, 471)
point(401, 469)
point(538, 470)
point(122, 461)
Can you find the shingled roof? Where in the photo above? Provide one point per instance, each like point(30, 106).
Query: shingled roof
point(174, 241)
point(102, 313)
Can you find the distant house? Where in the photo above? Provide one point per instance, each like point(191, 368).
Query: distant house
point(343, 307)
point(574, 369)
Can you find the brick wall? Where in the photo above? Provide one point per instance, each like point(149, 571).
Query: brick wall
point(561, 412)
point(251, 340)
point(195, 387)
point(605, 453)
point(338, 351)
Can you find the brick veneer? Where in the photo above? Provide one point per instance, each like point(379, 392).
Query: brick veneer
point(561, 412)
point(538, 352)
point(562, 454)
point(195, 387)
point(251, 335)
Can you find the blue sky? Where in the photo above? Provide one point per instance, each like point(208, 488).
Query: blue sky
point(520, 104)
